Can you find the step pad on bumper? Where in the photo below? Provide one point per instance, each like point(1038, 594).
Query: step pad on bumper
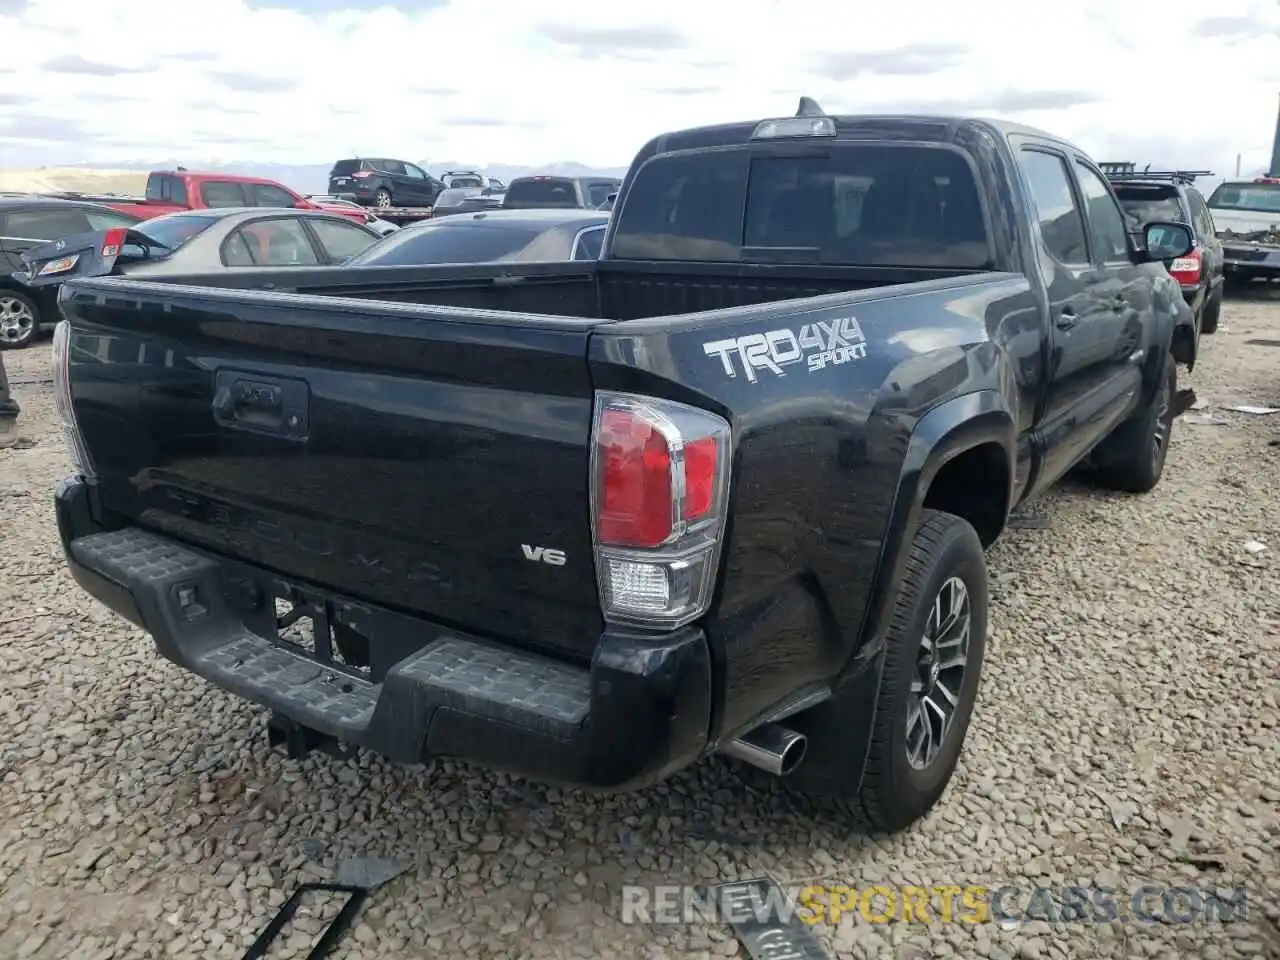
point(210, 639)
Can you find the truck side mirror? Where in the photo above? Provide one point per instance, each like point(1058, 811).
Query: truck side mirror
point(1167, 241)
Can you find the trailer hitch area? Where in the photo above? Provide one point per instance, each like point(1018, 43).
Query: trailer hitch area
point(299, 740)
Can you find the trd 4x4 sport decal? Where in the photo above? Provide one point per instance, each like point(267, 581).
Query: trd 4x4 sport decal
point(818, 345)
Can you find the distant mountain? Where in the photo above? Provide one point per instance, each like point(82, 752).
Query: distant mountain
point(314, 178)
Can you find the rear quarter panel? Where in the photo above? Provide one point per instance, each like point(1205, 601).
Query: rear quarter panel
point(821, 436)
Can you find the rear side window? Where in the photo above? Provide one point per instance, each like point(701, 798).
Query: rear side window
point(1200, 213)
point(1106, 223)
point(1058, 213)
point(444, 242)
point(1147, 203)
point(222, 193)
point(390, 166)
point(854, 205)
point(589, 244)
point(45, 224)
point(340, 238)
point(542, 192)
point(598, 193)
point(165, 188)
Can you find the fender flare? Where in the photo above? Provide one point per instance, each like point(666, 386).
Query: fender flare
point(942, 434)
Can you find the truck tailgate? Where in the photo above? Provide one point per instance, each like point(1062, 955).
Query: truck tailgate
point(426, 459)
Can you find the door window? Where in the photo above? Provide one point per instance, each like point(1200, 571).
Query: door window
point(339, 238)
point(1057, 211)
point(393, 167)
point(265, 195)
point(269, 243)
point(1106, 222)
point(222, 193)
point(415, 173)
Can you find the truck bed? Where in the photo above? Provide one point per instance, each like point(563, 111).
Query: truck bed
point(606, 291)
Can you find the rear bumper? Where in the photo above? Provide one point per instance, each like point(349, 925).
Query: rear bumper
point(639, 713)
point(1246, 263)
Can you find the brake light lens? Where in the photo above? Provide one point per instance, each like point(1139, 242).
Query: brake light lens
point(362, 174)
point(1186, 270)
point(112, 242)
point(80, 459)
point(660, 485)
point(61, 265)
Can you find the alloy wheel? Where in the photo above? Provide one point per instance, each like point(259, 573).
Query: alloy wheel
point(940, 673)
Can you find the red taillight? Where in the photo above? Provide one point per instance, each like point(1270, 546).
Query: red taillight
point(112, 242)
point(1186, 270)
point(659, 490)
point(362, 174)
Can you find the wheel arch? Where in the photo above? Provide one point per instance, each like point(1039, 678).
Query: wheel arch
point(964, 442)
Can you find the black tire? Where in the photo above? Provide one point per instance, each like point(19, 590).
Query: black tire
point(382, 198)
point(894, 793)
point(12, 304)
point(1132, 458)
point(1212, 311)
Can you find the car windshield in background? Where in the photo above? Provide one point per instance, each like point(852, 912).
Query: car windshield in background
point(173, 232)
point(856, 205)
point(1255, 197)
point(455, 195)
point(1147, 204)
point(465, 241)
point(543, 191)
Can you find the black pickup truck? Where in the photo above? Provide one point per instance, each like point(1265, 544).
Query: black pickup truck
point(725, 490)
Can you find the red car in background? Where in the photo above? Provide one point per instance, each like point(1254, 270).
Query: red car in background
point(169, 191)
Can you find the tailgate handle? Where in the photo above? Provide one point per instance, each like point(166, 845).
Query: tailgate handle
point(268, 405)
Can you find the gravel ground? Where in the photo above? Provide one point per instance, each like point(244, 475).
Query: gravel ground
point(1126, 734)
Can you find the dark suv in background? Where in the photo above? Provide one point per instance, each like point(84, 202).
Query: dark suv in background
point(1169, 195)
point(582, 193)
point(383, 183)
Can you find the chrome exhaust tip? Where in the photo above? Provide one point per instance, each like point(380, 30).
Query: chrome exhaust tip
point(771, 747)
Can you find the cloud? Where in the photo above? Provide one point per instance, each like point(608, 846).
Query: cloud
point(594, 42)
point(49, 129)
point(690, 91)
point(252, 82)
point(1225, 27)
point(76, 64)
point(916, 59)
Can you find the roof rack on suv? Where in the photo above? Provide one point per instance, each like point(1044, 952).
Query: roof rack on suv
point(1127, 170)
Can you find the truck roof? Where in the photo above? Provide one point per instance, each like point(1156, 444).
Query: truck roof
point(207, 175)
point(919, 128)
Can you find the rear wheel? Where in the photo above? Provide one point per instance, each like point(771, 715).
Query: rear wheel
point(1132, 458)
point(19, 320)
point(928, 685)
point(1212, 310)
point(382, 198)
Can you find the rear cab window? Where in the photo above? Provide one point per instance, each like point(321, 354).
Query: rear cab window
point(853, 204)
point(45, 224)
point(269, 195)
point(543, 192)
point(167, 188)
